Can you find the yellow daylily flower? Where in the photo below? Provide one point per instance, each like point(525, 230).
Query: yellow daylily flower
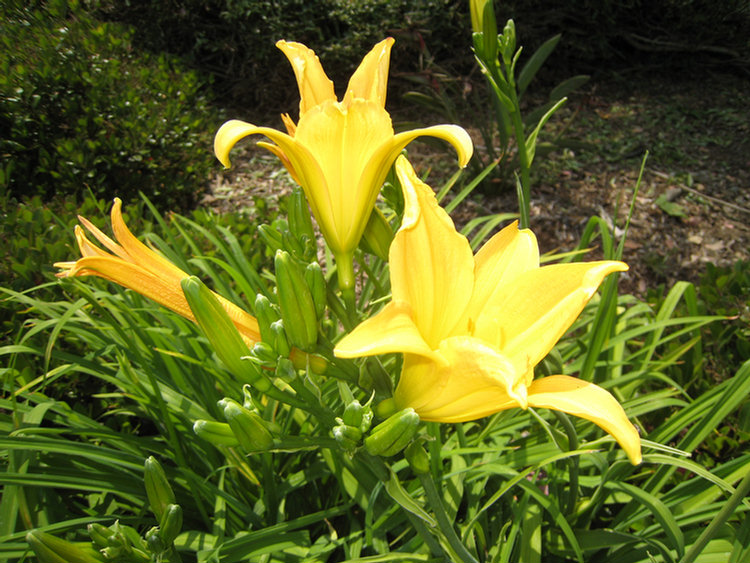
point(339, 151)
point(135, 266)
point(472, 328)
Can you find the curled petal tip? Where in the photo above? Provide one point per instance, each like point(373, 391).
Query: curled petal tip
point(227, 136)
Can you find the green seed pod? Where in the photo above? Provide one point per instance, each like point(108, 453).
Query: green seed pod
point(170, 524)
point(417, 457)
point(249, 428)
point(158, 490)
point(51, 549)
point(316, 281)
point(296, 303)
point(218, 433)
point(391, 436)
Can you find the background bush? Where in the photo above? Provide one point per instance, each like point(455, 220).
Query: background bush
point(605, 35)
point(234, 40)
point(80, 109)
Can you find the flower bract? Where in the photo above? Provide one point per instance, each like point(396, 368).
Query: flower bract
point(135, 266)
point(339, 151)
point(472, 328)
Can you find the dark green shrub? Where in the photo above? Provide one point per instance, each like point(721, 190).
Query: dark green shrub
point(234, 40)
point(80, 109)
point(601, 35)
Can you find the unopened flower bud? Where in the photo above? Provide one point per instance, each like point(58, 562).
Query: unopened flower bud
point(158, 490)
point(391, 436)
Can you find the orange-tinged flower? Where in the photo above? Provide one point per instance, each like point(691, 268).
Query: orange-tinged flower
point(135, 266)
point(472, 328)
point(339, 151)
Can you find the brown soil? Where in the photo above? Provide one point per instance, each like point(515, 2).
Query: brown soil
point(693, 205)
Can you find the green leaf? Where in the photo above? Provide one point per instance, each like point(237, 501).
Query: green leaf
point(397, 492)
point(532, 66)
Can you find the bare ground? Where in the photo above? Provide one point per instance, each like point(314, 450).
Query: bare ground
point(693, 205)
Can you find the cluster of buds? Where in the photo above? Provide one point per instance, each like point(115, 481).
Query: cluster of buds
point(386, 439)
point(119, 543)
point(244, 427)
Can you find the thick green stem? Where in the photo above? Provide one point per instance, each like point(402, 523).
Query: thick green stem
point(345, 273)
point(742, 490)
point(524, 198)
point(444, 523)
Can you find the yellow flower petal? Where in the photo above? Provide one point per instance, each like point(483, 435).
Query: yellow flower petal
point(139, 252)
point(370, 80)
point(455, 135)
point(588, 401)
point(538, 307)
point(470, 382)
point(432, 266)
point(503, 258)
point(135, 277)
point(343, 140)
point(282, 157)
point(314, 85)
point(391, 330)
point(137, 267)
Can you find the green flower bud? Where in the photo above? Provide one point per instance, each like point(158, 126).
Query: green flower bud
point(507, 41)
point(51, 549)
point(353, 414)
point(170, 524)
point(265, 353)
point(417, 457)
point(224, 337)
point(154, 542)
point(316, 281)
point(99, 534)
point(358, 415)
point(247, 396)
point(292, 245)
point(249, 428)
point(266, 314)
point(218, 433)
point(158, 491)
point(296, 303)
point(378, 235)
point(285, 369)
point(300, 221)
point(280, 342)
point(348, 437)
point(391, 436)
point(271, 236)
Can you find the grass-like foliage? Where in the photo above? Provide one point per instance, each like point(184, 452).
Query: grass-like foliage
point(119, 380)
point(238, 422)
